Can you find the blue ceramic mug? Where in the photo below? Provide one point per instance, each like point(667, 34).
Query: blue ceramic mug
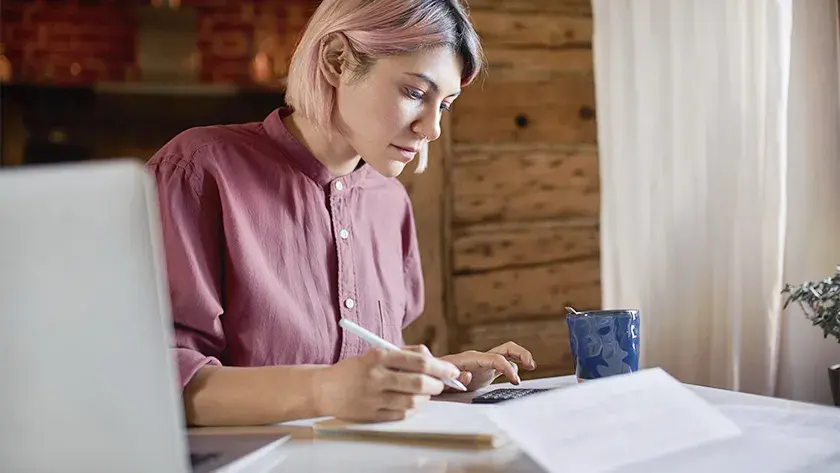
point(604, 342)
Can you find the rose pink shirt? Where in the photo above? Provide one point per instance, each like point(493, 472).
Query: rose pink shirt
point(266, 250)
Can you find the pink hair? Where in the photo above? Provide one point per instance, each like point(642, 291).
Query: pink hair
point(375, 29)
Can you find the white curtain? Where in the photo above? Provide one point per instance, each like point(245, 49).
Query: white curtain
point(812, 249)
point(694, 128)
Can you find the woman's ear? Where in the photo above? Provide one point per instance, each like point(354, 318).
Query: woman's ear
point(334, 57)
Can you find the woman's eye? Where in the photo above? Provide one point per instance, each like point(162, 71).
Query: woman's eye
point(415, 94)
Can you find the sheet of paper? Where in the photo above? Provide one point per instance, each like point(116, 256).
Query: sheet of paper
point(765, 452)
point(437, 417)
point(612, 423)
point(816, 423)
point(776, 440)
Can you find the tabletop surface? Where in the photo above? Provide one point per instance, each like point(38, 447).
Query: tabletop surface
point(305, 454)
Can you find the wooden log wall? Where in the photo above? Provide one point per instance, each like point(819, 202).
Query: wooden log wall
point(521, 203)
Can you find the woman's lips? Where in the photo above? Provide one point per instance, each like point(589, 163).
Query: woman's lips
point(407, 153)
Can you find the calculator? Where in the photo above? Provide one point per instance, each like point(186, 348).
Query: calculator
point(505, 394)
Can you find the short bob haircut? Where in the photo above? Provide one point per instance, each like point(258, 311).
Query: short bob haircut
point(377, 29)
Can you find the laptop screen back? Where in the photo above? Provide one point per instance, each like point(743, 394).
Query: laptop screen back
point(86, 379)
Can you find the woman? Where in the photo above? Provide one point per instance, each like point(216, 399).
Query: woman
point(275, 230)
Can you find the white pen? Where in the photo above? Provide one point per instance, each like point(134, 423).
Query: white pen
point(377, 341)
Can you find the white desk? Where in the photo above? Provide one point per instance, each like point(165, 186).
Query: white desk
point(336, 456)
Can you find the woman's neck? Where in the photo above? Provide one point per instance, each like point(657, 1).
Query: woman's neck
point(335, 153)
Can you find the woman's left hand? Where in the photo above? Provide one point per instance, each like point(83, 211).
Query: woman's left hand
point(480, 369)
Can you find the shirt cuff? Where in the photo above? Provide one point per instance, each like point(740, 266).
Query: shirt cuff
point(190, 361)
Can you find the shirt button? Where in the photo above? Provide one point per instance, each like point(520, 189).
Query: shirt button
point(339, 185)
point(343, 233)
point(349, 303)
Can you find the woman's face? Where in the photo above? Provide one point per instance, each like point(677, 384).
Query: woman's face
point(387, 114)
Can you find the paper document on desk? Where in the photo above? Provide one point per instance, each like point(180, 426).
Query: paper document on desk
point(820, 422)
point(764, 452)
point(776, 440)
point(447, 422)
point(612, 423)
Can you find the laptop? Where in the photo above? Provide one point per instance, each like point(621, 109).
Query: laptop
point(87, 380)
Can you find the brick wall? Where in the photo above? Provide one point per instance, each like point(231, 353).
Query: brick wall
point(67, 42)
point(87, 41)
point(231, 36)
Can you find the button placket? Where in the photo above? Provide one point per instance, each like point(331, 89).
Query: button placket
point(347, 296)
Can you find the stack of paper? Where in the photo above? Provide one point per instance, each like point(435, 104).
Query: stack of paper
point(640, 422)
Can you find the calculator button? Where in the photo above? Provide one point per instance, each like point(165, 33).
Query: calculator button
point(505, 394)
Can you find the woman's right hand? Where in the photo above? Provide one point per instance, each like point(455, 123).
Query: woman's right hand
point(380, 385)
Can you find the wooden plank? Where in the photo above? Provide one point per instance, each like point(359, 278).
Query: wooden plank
point(527, 292)
point(448, 211)
point(498, 28)
point(548, 372)
point(510, 244)
point(516, 65)
point(565, 7)
point(427, 193)
point(547, 340)
point(541, 372)
point(471, 152)
point(525, 183)
point(541, 93)
point(558, 109)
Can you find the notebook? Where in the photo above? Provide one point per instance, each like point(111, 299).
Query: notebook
point(435, 421)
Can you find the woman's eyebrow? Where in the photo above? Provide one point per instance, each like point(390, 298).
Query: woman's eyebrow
point(429, 81)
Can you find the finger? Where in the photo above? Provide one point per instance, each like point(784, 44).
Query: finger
point(417, 363)
point(421, 349)
point(495, 361)
point(412, 383)
point(402, 402)
point(517, 353)
point(465, 378)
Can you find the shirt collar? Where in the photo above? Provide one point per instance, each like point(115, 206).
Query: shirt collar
point(304, 159)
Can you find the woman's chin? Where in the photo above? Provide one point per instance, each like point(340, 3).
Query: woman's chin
point(389, 168)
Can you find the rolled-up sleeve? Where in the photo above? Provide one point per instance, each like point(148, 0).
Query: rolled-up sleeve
point(192, 229)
